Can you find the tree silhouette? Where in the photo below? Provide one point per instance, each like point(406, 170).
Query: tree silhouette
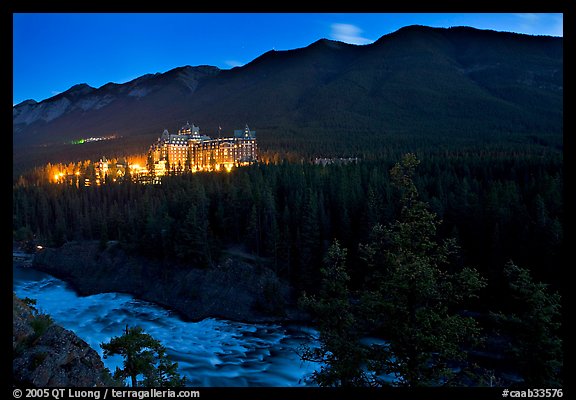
point(340, 352)
point(143, 355)
point(412, 296)
point(532, 322)
point(408, 296)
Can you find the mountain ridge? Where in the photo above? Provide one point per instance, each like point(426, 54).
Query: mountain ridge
point(416, 80)
point(321, 41)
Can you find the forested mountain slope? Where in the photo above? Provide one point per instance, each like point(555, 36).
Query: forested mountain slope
point(418, 85)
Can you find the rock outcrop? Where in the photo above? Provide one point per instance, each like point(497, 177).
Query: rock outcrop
point(47, 355)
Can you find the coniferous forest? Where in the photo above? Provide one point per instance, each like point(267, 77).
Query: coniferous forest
point(407, 204)
point(456, 252)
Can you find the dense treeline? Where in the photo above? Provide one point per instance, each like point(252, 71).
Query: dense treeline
point(500, 209)
point(287, 214)
point(417, 298)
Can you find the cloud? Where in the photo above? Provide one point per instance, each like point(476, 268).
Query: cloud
point(528, 17)
point(557, 28)
point(233, 63)
point(540, 24)
point(348, 33)
point(528, 22)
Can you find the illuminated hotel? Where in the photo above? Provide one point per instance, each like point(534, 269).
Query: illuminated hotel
point(187, 150)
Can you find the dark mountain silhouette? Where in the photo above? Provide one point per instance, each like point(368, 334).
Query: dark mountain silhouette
point(329, 97)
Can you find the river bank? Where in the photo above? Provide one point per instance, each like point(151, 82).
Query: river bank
point(232, 290)
point(210, 353)
point(47, 355)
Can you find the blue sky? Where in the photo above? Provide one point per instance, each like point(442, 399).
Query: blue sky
point(54, 51)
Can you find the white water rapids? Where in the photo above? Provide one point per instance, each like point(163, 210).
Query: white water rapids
point(210, 353)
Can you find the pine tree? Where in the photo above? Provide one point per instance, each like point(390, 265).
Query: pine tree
point(340, 351)
point(193, 242)
point(143, 355)
point(408, 297)
point(309, 244)
point(532, 322)
point(412, 298)
point(254, 231)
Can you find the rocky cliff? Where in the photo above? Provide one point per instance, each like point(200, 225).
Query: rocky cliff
point(47, 355)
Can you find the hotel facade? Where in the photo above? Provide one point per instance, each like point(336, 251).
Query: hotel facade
point(189, 151)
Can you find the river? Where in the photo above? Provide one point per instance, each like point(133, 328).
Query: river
point(210, 353)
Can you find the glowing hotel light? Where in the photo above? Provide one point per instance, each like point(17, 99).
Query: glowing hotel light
point(188, 150)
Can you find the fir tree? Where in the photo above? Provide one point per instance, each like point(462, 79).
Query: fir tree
point(143, 355)
point(409, 297)
point(412, 298)
point(532, 324)
point(339, 352)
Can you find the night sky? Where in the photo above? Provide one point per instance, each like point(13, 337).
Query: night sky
point(54, 51)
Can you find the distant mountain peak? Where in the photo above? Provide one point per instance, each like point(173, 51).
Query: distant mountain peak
point(324, 42)
point(81, 87)
point(76, 90)
point(28, 102)
point(188, 70)
point(445, 79)
point(332, 44)
point(416, 27)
